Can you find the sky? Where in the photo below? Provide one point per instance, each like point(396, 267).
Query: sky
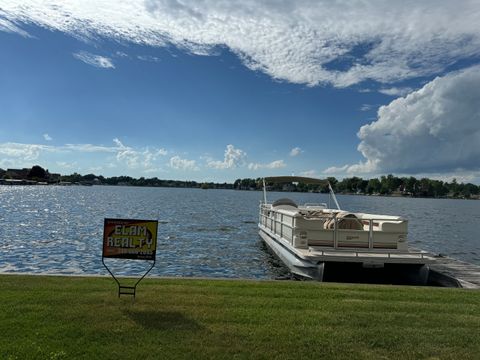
point(218, 90)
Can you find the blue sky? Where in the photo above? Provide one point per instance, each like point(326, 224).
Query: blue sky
point(214, 91)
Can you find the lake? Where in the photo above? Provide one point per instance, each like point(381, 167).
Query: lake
point(206, 233)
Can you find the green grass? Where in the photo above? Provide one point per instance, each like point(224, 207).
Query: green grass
point(66, 317)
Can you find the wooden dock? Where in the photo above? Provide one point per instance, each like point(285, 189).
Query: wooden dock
point(454, 273)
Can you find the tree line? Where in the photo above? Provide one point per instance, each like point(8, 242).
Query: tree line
point(385, 185)
point(41, 175)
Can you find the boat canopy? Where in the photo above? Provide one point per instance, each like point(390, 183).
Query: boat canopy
point(299, 179)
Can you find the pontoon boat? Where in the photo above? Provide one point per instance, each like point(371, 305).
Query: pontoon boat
point(309, 237)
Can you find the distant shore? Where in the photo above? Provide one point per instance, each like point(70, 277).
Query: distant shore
point(22, 182)
point(389, 185)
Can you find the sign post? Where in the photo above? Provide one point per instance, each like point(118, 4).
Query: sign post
point(129, 239)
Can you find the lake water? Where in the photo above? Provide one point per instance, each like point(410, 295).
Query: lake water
point(207, 233)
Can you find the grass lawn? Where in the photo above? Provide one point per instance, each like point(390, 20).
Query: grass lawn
point(44, 317)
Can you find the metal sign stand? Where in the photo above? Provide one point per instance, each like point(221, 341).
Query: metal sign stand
point(129, 239)
point(123, 289)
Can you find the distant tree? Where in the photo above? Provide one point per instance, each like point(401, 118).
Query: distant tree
point(453, 188)
point(236, 184)
point(410, 185)
point(89, 177)
point(373, 186)
point(438, 188)
point(37, 172)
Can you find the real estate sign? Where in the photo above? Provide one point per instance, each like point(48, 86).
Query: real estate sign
point(130, 239)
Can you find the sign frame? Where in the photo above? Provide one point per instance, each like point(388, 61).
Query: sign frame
point(130, 239)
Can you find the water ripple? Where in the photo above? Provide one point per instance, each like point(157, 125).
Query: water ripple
point(211, 233)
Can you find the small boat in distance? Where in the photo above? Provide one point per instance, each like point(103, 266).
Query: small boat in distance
point(311, 238)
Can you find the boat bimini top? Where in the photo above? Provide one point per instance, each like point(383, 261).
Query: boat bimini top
point(297, 179)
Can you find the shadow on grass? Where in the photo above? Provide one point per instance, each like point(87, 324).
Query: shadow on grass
point(163, 320)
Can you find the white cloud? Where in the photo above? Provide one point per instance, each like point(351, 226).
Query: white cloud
point(334, 170)
point(434, 129)
point(149, 58)
point(47, 137)
point(308, 42)
point(366, 107)
point(134, 158)
point(309, 173)
point(10, 27)
point(396, 91)
point(277, 164)
point(295, 151)
point(177, 163)
point(153, 170)
point(233, 157)
point(25, 152)
point(94, 60)
point(66, 164)
point(95, 169)
point(88, 148)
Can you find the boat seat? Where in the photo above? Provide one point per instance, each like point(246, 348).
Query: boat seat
point(345, 221)
point(285, 203)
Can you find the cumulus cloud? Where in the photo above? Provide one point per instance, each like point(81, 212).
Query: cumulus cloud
point(94, 60)
point(47, 137)
point(277, 164)
point(233, 157)
point(434, 129)
point(177, 163)
point(295, 151)
point(135, 158)
point(321, 42)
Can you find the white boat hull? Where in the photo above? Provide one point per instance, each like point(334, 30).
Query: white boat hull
point(297, 266)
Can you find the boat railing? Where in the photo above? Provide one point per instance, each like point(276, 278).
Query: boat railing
point(269, 218)
point(309, 205)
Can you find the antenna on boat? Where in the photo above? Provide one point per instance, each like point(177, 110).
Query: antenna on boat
point(332, 194)
point(264, 192)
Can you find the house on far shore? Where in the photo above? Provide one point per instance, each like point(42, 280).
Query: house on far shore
point(54, 177)
point(17, 182)
point(17, 173)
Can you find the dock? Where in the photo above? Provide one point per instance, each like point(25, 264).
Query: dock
point(454, 273)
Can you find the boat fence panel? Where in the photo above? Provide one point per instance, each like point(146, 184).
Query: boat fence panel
point(317, 228)
point(352, 238)
point(320, 238)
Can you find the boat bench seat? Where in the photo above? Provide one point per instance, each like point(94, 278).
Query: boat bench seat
point(353, 230)
point(386, 225)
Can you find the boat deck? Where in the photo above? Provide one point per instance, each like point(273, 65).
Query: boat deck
point(412, 257)
point(451, 272)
